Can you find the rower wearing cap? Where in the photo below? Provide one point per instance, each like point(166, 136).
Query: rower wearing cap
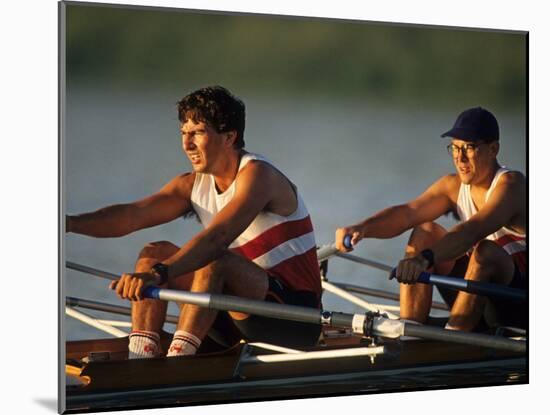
point(257, 242)
point(487, 245)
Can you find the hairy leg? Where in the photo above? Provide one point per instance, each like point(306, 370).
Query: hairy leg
point(229, 274)
point(490, 263)
point(415, 300)
point(149, 314)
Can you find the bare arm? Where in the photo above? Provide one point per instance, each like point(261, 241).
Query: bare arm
point(505, 206)
point(395, 220)
point(507, 202)
point(257, 186)
point(170, 202)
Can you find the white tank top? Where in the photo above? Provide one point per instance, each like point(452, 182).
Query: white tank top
point(282, 245)
point(512, 242)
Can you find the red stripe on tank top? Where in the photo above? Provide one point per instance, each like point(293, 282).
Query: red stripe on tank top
point(520, 259)
point(300, 273)
point(274, 237)
point(506, 239)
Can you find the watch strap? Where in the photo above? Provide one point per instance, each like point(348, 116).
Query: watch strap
point(160, 270)
point(428, 255)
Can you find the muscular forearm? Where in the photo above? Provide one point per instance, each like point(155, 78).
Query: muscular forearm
point(388, 223)
point(204, 248)
point(455, 243)
point(109, 222)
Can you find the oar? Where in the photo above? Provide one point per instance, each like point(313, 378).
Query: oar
point(474, 287)
point(325, 252)
point(91, 321)
point(454, 283)
point(368, 324)
point(332, 287)
point(92, 271)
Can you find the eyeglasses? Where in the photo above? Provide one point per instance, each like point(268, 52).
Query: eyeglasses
point(468, 149)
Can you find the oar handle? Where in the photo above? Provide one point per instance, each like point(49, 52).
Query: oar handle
point(152, 292)
point(474, 287)
point(347, 242)
point(425, 277)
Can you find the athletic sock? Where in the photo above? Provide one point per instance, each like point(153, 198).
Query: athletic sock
point(183, 344)
point(449, 327)
point(143, 344)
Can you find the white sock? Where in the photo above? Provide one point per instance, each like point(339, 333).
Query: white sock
point(449, 327)
point(183, 344)
point(143, 344)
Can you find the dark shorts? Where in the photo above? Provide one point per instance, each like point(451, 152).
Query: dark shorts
point(280, 332)
point(508, 313)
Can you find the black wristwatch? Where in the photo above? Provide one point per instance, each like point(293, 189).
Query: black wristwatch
point(428, 255)
point(160, 270)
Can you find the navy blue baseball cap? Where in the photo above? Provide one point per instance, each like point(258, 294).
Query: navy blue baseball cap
point(474, 124)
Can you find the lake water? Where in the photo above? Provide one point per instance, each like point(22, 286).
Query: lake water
point(348, 158)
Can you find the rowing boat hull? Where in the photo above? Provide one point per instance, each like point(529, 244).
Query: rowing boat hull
point(219, 377)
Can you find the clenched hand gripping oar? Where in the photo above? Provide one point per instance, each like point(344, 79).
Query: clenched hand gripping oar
point(453, 283)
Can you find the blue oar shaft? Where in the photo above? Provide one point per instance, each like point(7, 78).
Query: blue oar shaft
point(454, 283)
point(474, 287)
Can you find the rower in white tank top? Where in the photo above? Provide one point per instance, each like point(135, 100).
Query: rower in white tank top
point(512, 242)
point(282, 245)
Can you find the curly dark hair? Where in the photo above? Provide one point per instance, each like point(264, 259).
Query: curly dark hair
point(216, 106)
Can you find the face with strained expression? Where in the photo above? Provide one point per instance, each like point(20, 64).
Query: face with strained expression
point(473, 160)
point(204, 146)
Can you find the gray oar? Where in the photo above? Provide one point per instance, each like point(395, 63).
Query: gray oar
point(368, 324)
point(92, 271)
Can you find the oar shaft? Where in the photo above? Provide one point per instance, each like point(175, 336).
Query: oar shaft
point(381, 294)
point(92, 271)
point(364, 261)
point(109, 308)
point(85, 318)
point(261, 308)
point(478, 339)
point(460, 284)
point(333, 288)
point(232, 303)
point(474, 287)
point(324, 252)
point(360, 323)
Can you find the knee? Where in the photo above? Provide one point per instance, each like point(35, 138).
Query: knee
point(218, 267)
point(159, 250)
point(429, 228)
point(485, 252)
point(425, 235)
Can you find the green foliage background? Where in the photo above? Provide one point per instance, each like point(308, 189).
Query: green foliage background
point(269, 55)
